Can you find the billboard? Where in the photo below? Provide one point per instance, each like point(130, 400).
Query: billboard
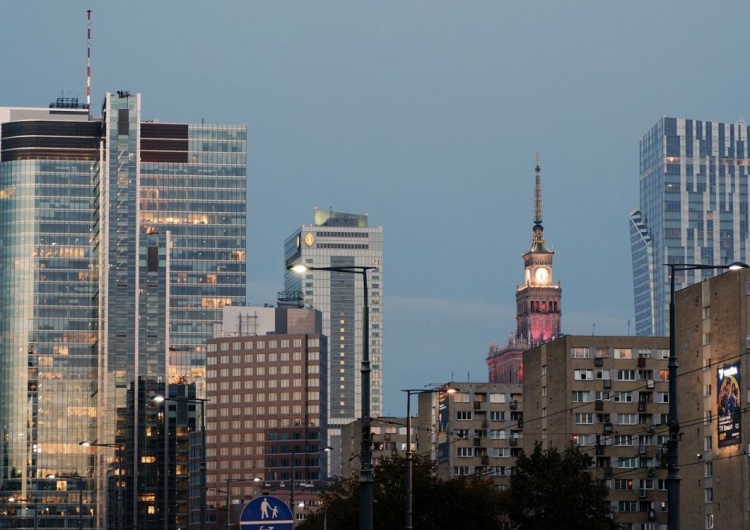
point(443, 420)
point(728, 404)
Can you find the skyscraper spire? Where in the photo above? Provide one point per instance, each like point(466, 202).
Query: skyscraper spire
point(538, 195)
point(537, 241)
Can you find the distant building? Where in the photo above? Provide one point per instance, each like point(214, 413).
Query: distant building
point(122, 238)
point(388, 439)
point(538, 305)
point(267, 391)
point(339, 239)
point(476, 430)
point(712, 338)
point(610, 396)
point(693, 209)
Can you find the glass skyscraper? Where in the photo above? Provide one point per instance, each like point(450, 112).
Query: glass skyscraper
point(121, 240)
point(693, 209)
point(338, 239)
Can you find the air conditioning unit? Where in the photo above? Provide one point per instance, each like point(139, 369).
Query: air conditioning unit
point(513, 405)
point(642, 493)
point(650, 383)
point(477, 442)
point(651, 472)
point(513, 442)
point(641, 449)
point(599, 449)
point(608, 428)
point(641, 362)
point(641, 406)
point(607, 383)
point(598, 404)
point(599, 361)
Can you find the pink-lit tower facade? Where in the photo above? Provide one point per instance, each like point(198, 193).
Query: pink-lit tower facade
point(538, 304)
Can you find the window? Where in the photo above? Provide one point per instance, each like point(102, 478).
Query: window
point(461, 470)
point(581, 396)
point(602, 374)
point(663, 397)
point(497, 434)
point(623, 353)
point(497, 415)
point(463, 415)
point(709, 495)
point(623, 484)
point(501, 452)
point(497, 398)
point(583, 375)
point(584, 418)
point(622, 397)
point(708, 469)
point(627, 419)
point(627, 462)
point(579, 353)
point(462, 433)
point(464, 452)
point(624, 440)
point(461, 397)
point(626, 375)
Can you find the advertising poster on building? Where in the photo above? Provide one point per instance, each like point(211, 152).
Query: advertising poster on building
point(443, 418)
point(728, 404)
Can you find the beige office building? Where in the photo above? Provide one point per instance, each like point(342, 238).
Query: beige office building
point(712, 338)
point(610, 396)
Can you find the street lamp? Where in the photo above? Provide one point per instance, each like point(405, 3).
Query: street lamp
point(27, 501)
point(233, 481)
point(120, 508)
point(202, 403)
point(673, 468)
point(408, 463)
point(294, 453)
point(365, 472)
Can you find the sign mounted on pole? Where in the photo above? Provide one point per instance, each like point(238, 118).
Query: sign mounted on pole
point(266, 513)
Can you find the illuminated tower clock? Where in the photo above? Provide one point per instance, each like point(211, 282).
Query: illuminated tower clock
point(538, 299)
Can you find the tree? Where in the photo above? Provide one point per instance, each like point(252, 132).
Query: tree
point(466, 502)
point(554, 490)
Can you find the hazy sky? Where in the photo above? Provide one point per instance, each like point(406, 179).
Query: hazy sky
point(426, 115)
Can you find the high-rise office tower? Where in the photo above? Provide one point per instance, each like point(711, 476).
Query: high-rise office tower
point(339, 239)
point(121, 240)
point(693, 209)
point(538, 303)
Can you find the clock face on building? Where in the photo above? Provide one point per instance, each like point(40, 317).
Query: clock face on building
point(541, 275)
point(309, 239)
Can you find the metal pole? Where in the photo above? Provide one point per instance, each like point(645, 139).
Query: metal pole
point(203, 464)
point(166, 467)
point(673, 469)
point(365, 474)
point(408, 521)
point(120, 507)
point(80, 503)
point(291, 491)
point(229, 513)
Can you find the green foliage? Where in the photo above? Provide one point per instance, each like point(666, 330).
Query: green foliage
point(470, 502)
point(554, 490)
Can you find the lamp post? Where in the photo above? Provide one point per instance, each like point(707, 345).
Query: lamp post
point(120, 508)
point(202, 403)
point(408, 462)
point(673, 468)
point(365, 472)
point(233, 481)
point(27, 501)
point(291, 490)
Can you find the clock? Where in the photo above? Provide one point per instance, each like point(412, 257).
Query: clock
point(541, 274)
point(309, 239)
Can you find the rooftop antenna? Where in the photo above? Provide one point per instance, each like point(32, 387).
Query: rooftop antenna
point(88, 62)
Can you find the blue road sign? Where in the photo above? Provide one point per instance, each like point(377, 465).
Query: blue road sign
point(266, 513)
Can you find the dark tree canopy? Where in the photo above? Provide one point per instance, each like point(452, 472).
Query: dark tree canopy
point(467, 502)
point(554, 490)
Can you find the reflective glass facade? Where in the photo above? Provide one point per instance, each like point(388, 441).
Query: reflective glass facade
point(693, 209)
point(121, 240)
point(339, 240)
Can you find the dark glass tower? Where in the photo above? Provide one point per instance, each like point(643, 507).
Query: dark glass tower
point(121, 239)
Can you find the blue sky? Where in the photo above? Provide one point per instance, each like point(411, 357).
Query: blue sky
point(426, 115)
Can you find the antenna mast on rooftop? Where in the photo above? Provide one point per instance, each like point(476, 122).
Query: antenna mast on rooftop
point(88, 62)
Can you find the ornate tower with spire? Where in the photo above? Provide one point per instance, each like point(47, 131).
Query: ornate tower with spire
point(538, 299)
point(538, 307)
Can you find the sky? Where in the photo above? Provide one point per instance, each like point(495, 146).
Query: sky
point(427, 116)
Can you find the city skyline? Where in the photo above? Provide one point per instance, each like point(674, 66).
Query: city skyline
point(444, 106)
